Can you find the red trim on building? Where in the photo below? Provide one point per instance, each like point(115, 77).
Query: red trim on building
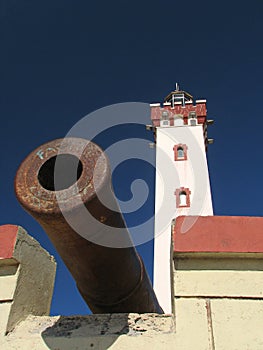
point(199, 109)
point(201, 120)
point(177, 193)
point(236, 234)
point(175, 149)
point(8, 235)
point(156, 122)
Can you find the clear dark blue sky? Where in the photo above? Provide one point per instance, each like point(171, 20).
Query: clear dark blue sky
point(62, 59)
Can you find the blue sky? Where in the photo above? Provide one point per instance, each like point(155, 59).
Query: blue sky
point(61, 60)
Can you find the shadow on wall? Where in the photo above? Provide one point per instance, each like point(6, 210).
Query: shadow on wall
point(86, 332)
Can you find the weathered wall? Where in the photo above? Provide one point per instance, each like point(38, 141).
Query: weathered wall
point(27, 274)
point(218, 283)
point(217, 286)
point(116, 331)
point(220, 301)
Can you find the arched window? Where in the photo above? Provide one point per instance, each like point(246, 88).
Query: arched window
point(182, 197)
point(165, 119)
point(192, 119)
point(165, 115)
point(178, 120)
point(180, 152)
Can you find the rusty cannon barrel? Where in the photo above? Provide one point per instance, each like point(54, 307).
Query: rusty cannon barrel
point(65, 185)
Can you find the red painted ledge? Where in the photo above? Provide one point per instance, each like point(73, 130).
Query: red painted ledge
point(236, 234)
point(8, 234)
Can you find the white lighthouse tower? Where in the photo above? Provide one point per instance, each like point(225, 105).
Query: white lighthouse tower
point(182, 178)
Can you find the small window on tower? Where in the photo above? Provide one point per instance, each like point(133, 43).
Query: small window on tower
point(178, 120)
point(192, 119)
point(165, 115)
point(180, 152)
point(182, 197)
point(165, 119)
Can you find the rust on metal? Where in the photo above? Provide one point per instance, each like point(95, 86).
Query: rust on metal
point(110, 279)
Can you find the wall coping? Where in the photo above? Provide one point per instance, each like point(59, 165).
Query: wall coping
point(218, 234)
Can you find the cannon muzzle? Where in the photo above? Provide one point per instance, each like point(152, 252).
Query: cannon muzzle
point(66, 186)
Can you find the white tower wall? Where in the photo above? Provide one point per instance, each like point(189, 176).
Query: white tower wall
point(171, 175)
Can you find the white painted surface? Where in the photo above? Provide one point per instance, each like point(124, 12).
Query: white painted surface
point(171, 175)
point(8, 282)
point(178, 120)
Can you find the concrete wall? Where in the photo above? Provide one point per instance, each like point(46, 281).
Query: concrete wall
point(218, 283)
point(217, 295)
point(220, 300)
point(98, 332)
point(27, 274)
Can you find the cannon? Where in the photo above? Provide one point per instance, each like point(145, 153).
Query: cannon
point(64, 184)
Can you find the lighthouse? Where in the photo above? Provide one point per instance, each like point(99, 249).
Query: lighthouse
point(182, 186)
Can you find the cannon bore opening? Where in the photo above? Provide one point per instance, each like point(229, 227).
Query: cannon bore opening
point(68, 170)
